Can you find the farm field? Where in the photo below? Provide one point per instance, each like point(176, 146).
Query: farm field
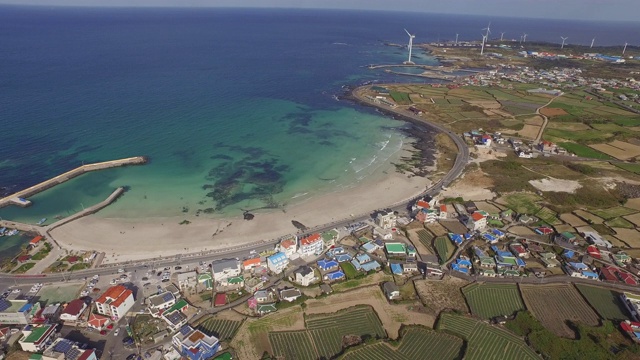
point(425, 238)
point(572, 220)
point(327, 330)
point(490, 300)
point(606, 302)
point(583, 151)
point(629, 236)
point(619, 223)
point(485, 206)
point(547, 215)
point(613, 212)
point(589, 217)
point(220, 328)
point(620, 154)
point(485, 341)
point(522, 203)
point(634, 218)
point(554, 304)
point(292, 345)
point(415, 343)
point(444, 248)
point(440, 295)
point(634, 168)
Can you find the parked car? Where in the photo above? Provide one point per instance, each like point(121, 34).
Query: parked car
point(177, 268)
point(145, 278)
point(120, 271)
point(115, 333)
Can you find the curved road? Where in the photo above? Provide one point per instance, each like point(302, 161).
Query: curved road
point(462, 158)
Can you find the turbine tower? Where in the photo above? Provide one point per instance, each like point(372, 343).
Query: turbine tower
point(501, 36)
point(411, 37)
point(524, 37)
point(625, 48)
point(485, 37)
point(457, 39)
point(592, 41)
point(563, 40)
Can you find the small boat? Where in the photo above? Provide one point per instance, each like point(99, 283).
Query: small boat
point(12, 232)
point(42, 221)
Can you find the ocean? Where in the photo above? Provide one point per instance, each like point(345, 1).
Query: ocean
point(236, 109)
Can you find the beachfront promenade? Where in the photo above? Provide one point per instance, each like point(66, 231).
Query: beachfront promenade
point(17, 197)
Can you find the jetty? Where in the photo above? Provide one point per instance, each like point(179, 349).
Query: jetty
point(87, 211)
point(19, 198)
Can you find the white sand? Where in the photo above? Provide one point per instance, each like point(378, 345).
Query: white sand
point(132, 239)
point(556, 185)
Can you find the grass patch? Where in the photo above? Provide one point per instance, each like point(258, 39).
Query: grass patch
point(584, 151)
point(580, 136)
point(349, 270)
point(634, 168)
point(444, 248)
point(509, 175)
point(79, 266)
point(490, 300)
point(400, 98)
point(619, 223)
point(24, 268)
point(606, 302)
point(522, 203)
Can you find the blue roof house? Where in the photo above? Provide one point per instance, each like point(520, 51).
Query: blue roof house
point(277, 262)
point(371, 265)
point(343, 258)
point(363, 258)
point(396, 269)
point(456, 238)
point(326, 265)
point(335, 276)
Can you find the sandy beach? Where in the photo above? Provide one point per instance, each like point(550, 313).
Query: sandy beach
point(131, 239)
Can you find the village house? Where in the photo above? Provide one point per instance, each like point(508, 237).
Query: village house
point(304, 276)
point(384, 234)
point(549, 259)
point(597, 240)
point(427, 216)
point(443, 212)
point(330, 237)
point(579, 270)
point(194, 344)
point(289, 247)
point(311, 245)
point(187, 279)
point(277, 262)
point(224, 269)
point(65, 349)
point(519, 250)
point(476, 221)
point(632, 303)
point(161, 301)
point(249, 264)
point(253, 284)
point(290, 295)
point(391, 290)
point(386, 219)
point(264, 296)
point(73, 310)
point(115, 302)
point(97, 322)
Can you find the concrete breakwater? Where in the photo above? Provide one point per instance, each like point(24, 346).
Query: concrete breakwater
point(47, 184)
point(87, 211)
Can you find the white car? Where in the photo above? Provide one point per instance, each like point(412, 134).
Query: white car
point(115, 333)
point(113, 281)
point(120, 271)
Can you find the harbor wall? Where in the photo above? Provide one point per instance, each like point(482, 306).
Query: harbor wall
point(138, 160)
point(87, 211)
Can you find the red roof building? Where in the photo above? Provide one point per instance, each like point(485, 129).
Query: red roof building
point(422, 204)
point(251, 263)
point(73, 310)
point(35, 241)
point(220, 300)
point(97, 322)
point(594, 252)
point(24, 258)
point(115, 302)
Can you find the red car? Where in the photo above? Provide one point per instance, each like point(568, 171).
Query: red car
point(103, 332)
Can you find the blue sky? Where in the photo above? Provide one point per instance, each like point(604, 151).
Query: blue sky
point(624, 10)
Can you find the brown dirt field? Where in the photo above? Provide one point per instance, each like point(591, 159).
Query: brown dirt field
point(615, 241)
point(629, 236)
point(589, 216)
point(374, 279)
point(453, 226)
point(572, 220)
point(473, 185)
point(582, 229)
point(392, 316)
point(487, 104)
point(252, 341)
point(613, 151)
point(415, 240)
point(552, 112)
point(535, 120)
point(633, 204)
point(633, 218)
point(485, 206)
point(554, 304)
point(626, 146)
point(441, 295)
point(230, 315)
point(562, 228)
point(436, 229)
point(521, 230)
point(529, 131)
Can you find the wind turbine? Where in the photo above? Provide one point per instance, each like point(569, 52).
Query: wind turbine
point(501, 36)
point(592, 41)
point(563, 40)
point(457, 39)
point(485, 37)
point(524, 37)
point(411, 37)
point(625, 48)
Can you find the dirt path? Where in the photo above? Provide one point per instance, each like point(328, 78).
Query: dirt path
point(546, 119)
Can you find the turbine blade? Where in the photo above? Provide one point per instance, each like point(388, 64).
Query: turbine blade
point(405, 30)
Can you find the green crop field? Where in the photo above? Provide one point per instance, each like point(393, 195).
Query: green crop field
point(425, 238)
point(628, 121)
point(400, 97)
point(580, 135)
point(444, 248)
point(613, 212)
point(292, 345)
point(549, 216)
point(485, 341)
point(634, 168)
point(326, 330)
point(606, 302)
point(415, 344)
point(220, 328)
point(490, 300)
point(584, 151)
point(349, 270)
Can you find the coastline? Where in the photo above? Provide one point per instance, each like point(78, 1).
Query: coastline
point(134, 239)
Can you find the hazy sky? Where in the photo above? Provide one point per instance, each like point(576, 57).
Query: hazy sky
point(628, 10)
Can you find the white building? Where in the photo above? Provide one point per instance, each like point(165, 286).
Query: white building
point(597, 240)
point(386, 219)
point(35, 337)
point(73, 310)
point(277, 262)
point(115, 302)
point(304, 276)
point(224, 269)
point(64, 349)
point(476, 221)
point(187, 279)
point(311, 245)
point(162, 301)
point(632, 302)
point(289, 247)
point(17, 311)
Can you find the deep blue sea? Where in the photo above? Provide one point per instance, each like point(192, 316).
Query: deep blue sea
point(235, 108)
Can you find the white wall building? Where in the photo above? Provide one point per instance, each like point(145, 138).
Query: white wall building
point(224, 269)
point(311, 245)
point(115, 302)
point(386, 220)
